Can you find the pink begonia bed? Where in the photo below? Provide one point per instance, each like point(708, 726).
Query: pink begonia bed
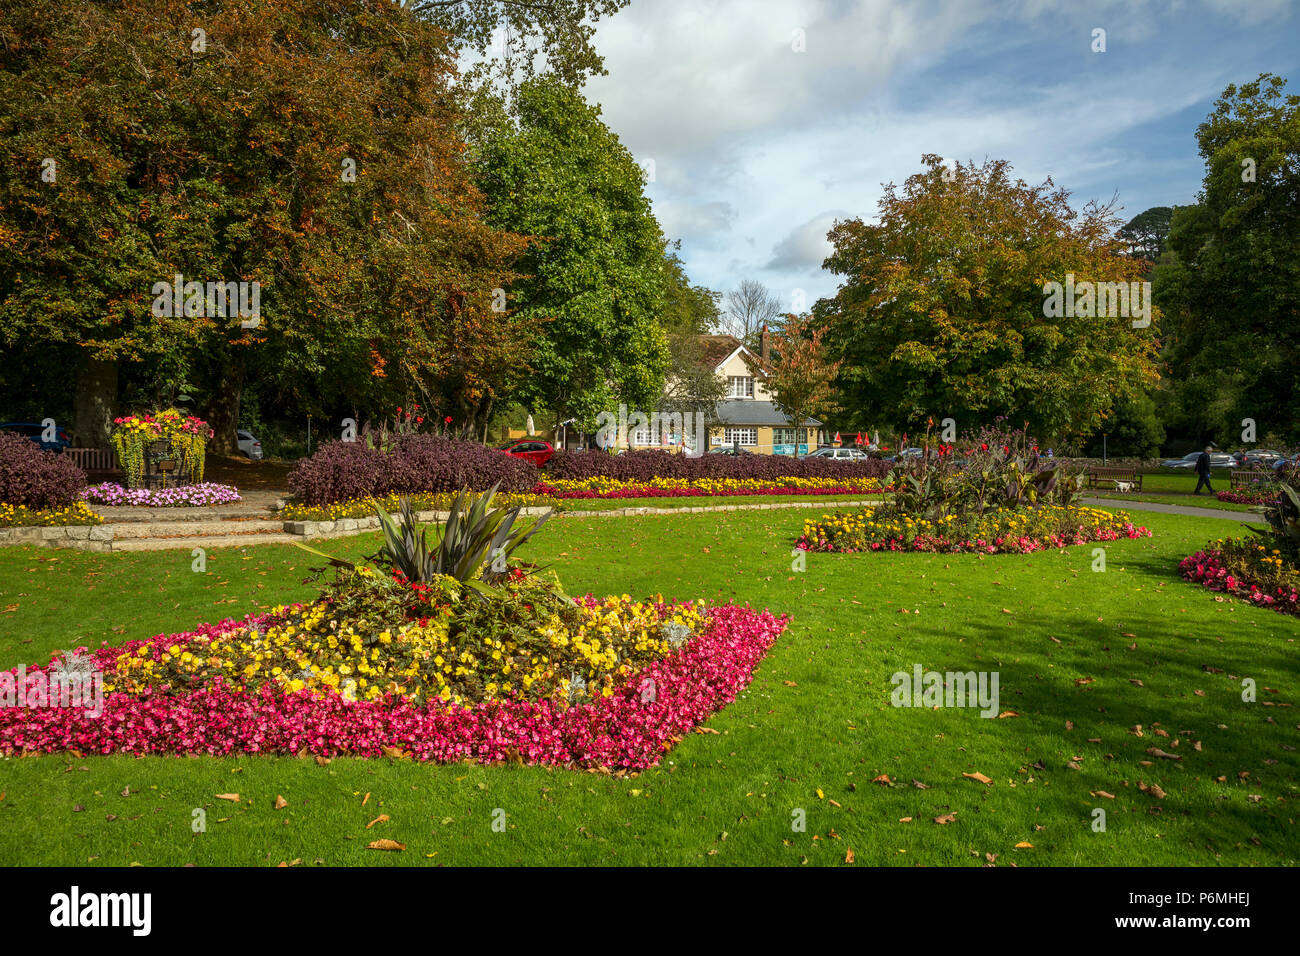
point(618, 732)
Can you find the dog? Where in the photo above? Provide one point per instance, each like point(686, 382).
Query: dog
point(1123, 486)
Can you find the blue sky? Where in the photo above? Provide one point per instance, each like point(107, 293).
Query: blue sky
point(758, 148)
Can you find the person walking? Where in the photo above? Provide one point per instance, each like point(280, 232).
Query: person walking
point(1203, 471)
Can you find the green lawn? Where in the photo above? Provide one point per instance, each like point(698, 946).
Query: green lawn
point(703, 501)
point(1175, 488)
point(816, 718)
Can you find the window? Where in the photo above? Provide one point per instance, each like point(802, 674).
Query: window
point(642, 436)
point(740, 386)
point(742, 436)
point(783, 436)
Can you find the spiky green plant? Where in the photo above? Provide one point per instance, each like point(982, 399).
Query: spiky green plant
point(474, 545)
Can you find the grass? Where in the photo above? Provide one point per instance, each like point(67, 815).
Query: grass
point(705, 501)
point(1176, 488)
point(814, 727)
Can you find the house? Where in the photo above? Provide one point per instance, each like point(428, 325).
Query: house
point(748, 417)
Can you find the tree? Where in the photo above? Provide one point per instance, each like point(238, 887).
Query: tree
point(747, 309)
point(1230, 287)
point(210, 144)
point(945, 310)
point(801, 375)
point(1147, 232)
point(595, 276)
point(521, 32)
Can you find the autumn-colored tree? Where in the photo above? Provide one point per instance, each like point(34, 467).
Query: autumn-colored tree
point(801, 372)
point(310, 147)
point(943, 308)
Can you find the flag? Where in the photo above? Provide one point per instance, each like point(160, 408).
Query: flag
point(837, 438)
point(858, 440)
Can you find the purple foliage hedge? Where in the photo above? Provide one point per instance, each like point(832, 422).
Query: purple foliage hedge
point(644, 465)
point(32, 476)
point(414, 463)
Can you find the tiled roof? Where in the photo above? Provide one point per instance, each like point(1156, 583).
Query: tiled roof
point(714, 348)
point(745, 412)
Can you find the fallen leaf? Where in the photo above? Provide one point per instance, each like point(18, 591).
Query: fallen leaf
point(946, 819)
point(977, 776)
point(385, 845)
point(848, 856)
point(228, 796)
point(280, 802)
point(382, 818)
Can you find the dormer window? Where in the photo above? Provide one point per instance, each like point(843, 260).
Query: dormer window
point(740, 386)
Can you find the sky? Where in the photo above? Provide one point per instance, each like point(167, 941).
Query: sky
point(764, 121)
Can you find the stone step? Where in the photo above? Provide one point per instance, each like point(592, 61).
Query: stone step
point(189, 542)
point(136, 529)
point(155, 515)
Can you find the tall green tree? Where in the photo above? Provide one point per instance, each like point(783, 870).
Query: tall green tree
point(942, 312)
point(595, 276)
point(1147, 232)
point(1230, 288)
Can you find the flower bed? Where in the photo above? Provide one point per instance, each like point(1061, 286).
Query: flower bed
point(1247, 570)
point(705, 487)
point(1016, 531)
point(18, 516)
point(645, 466)
point(365, 507)
point(1254, 497)
point(629, 724)
point(200, 495)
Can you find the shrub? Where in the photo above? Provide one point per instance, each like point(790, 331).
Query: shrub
point(646, 465)
point(337, 471)
point(411, 465)
point(34, 477)
point(433, 463)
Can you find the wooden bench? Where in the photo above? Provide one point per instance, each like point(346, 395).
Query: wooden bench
point(99, 464)
point(1250, 477)
point(1099, 475)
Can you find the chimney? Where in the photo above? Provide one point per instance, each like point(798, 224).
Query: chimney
point(762, 344)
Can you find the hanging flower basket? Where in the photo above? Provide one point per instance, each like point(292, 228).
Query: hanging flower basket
point(188, 438)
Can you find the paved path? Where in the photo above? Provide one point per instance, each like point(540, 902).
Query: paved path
point(1246, 516)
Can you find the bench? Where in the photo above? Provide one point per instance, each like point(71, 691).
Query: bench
point(1099, 475)
point(1250, 477)
point(99, 464)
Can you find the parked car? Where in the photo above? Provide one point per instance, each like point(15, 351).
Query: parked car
point(729, 450)
point(1257, 457)
point(536, 451)
point(1218, 459)
point(1281, 463)
point(35, 432)
point(249, 445)
point(837, 454)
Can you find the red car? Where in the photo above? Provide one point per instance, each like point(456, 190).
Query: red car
point(537, 451)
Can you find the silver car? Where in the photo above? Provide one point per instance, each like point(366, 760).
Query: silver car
point(249, 445)
point(838, 454)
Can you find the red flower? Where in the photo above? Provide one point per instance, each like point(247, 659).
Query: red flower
point(984, 447)
point(447, 420)
point(418, 419)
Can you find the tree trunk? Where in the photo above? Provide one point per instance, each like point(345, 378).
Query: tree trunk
point(93, 406)
point(223, 411)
